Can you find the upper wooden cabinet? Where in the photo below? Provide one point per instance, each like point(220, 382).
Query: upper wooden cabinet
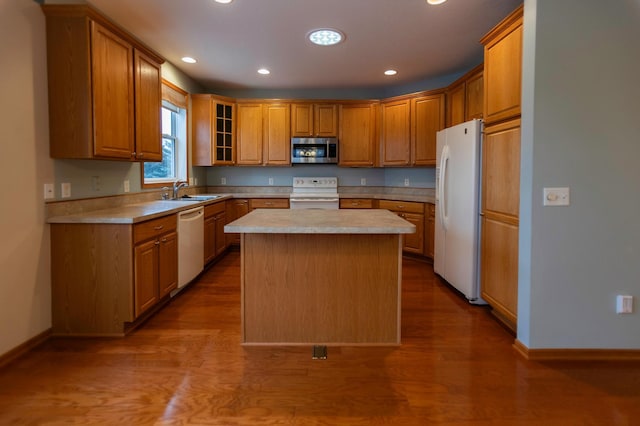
point(308, 120)
point(263, 134)
point(213, 127)
point(395, 133)
point(427, 118)
point(104, 88)
point(408, 130)
point(465, 97)
point(503, 69)
point(357, 135)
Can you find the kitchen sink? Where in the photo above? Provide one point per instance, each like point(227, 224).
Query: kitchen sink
point(196, 198)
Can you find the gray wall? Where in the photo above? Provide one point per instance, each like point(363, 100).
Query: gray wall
point(581, 129)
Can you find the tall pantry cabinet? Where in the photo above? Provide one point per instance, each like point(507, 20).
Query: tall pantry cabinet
point(501, 167)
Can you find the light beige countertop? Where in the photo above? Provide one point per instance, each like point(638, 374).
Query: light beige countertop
point(283, 221)
point(116, 210)
point(132, 213)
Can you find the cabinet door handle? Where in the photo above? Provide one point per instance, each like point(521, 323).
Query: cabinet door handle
point(164, 240)
point(156, 242)
point(159, 227)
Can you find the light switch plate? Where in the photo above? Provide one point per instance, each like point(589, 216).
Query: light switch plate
point(48, 191)
point(624, 304)
point(555, 197)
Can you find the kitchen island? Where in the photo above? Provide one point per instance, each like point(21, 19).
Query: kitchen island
point(326, 277)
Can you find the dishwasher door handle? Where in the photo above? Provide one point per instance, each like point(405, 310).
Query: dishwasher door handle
point(190, 215)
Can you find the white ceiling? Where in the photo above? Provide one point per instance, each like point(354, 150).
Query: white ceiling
point(231, 42)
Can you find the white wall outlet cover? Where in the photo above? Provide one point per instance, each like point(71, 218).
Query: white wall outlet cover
point(223, 181)
point(363, 181)
point(270, 181)
point(65, 189)
point(406, 182)
point(555, 197)
point(126, 186)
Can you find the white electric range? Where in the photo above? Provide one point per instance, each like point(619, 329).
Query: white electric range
point(314, 193)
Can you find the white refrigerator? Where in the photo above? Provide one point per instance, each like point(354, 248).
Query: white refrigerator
point(457, 242)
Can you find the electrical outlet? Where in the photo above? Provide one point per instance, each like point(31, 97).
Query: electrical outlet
point(65, 190)
point(190, 181)
point(270, 181)
point(223, 181)
point(363, 181)
point(48, 191)
point(126, 185)
point(96, 183)
point(406, 182)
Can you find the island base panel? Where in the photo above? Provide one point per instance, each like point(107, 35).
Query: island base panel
point(321, 288)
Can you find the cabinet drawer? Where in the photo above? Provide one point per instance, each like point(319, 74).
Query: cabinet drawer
point(270, 203)
point(214, 209)
point(152, 228)
point(356, 203)
point(402, 206)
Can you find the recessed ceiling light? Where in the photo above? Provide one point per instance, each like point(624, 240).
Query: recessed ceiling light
point(390, 72)
point(264, 71)
point(223, 1)
point(325, 36)
point(434, 2)
point(189, 60)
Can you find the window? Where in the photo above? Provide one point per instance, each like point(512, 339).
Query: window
point(174, 145)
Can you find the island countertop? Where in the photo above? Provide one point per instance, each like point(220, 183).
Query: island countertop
point(357, 221)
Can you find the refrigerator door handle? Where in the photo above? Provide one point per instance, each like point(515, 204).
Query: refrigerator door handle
point(444, 160)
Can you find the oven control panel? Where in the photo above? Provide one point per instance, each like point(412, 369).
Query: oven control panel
point(315, 182)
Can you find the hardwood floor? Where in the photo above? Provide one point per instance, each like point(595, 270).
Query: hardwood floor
point(456, 366)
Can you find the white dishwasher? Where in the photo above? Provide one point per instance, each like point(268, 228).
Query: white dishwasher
point(190, 244)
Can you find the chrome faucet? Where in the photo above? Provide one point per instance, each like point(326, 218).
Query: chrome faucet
point(176, 187)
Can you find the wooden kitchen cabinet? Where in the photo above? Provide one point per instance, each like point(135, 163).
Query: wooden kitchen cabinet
point(412, 212)
point(235, 209)
point(214, 237)
point(277, 134)
point(427, 118)
point(501, 168)
point(213, 130)
point(155, 261)
point(395, 132)
point(430, 230)
point(314, 120)
point(357, 135)
point(263, 134)
point(464, 97)
point(356, 203)
point(104, 88)
point(105, 277)
point(503, 69)
point(269, 203)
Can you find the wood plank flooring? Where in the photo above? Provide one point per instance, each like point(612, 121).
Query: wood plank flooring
point(456, 366)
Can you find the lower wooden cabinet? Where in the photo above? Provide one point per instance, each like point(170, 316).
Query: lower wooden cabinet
point(356, 203)
point(235, 208)
point(499, 268)
point(430, 231)
point(412, 212)
point(155, 261)
point(105, 276)
point(215, 241)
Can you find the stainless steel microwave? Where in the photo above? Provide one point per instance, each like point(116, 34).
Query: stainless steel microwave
point(314, 150)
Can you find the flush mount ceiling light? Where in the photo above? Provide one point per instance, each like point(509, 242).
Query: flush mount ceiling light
point(434, 2)
point(223, 1)
point(325, 36)
point(264, 71)
point(189, 60)
point(390, 72)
